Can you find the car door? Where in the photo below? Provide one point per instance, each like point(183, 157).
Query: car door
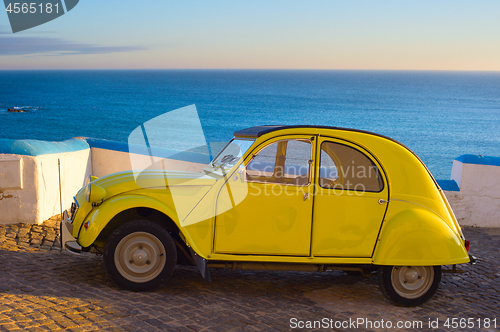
point(275, 216)
point(351, 200)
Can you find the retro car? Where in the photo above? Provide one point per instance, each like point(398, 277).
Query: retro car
point(290, 198)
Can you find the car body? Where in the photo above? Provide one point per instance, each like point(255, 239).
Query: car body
point(303, 198)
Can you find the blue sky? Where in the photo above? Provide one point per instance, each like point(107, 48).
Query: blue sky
point(406, 35)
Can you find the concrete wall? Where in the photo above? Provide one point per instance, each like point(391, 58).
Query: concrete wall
point(106, 161)
point(29, 178)
point(29, 172)
point(477, 200)
point(111, 157)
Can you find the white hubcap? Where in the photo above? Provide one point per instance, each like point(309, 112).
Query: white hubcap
point(140, 257)
point(412, 281)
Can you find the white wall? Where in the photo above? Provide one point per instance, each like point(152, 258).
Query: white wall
point(38, 198)
point(478, 201)
point(17, 202)
point(75, 167)
point(29, 185)
point(109, 161)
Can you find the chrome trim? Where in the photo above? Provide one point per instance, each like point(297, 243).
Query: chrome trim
point(73, 247)
point(73, 212)
point(67, 238)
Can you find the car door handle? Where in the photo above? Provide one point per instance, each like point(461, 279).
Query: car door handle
point(306, 196)
point(381, 201)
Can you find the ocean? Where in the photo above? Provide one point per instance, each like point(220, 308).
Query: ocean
point(439, 115)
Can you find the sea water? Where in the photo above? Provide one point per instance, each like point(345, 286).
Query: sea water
point(439, 115)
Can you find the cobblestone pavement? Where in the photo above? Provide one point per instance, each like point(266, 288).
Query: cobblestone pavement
point(44, 236)
point(44, 289)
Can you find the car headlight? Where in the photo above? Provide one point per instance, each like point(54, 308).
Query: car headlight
point(94, 193)
point(87, 192)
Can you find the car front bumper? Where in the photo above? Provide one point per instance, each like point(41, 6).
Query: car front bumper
point(68, 242)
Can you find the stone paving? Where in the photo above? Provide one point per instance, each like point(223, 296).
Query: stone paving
point(44, 289)
point(44, 236)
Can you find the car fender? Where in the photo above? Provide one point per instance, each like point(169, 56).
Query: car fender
point(417, 236)
point(100, 216)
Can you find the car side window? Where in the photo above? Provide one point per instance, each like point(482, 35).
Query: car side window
point(344, 167)
point(261, 168)
point(327, 170)
point(283, 162)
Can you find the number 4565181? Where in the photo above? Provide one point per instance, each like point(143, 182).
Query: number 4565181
point(32, 8)
point(455, 323)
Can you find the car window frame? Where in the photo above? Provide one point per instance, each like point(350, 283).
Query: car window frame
point(360, 149)
point(310, 138)
point(220, 172)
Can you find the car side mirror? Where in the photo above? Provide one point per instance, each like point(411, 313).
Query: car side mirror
point(241, 169)
point(240, 173)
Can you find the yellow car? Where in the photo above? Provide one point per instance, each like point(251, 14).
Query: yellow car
point(294, 198)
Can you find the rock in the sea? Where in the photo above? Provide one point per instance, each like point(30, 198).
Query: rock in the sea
point(16, 110)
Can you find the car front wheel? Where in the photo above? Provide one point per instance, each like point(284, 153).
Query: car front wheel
point(140, 255)
point(409, 285)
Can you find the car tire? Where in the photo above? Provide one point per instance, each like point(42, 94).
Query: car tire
point(140, 255)
point(409, 286)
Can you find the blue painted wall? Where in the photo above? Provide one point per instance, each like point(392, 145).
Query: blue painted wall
point(479, 160)
point(143, 150)
point(37, 148)
point(448, 185)
point(31, 147)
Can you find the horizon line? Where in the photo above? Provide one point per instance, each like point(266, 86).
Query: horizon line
point(251, 69)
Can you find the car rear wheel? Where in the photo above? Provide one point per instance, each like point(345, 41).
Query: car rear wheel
point(140, 255)
point(409, 285)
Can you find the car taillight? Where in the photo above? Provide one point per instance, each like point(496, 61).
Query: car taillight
point(467, 245)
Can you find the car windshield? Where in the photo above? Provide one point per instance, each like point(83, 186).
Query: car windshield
point(230, 155)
